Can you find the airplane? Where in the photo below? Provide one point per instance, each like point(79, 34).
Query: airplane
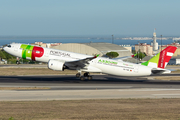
point(60, 60)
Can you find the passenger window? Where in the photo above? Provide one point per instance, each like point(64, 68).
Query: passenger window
point(37, 51)
point(9, 45)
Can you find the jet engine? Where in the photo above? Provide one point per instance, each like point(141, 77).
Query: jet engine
point(56, 65)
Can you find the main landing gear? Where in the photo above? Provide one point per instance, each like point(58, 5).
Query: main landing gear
point(83, 77)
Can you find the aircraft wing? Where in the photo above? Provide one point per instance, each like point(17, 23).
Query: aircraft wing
point(123, 58)
point(80, 63)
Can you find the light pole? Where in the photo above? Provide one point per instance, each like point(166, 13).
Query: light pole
point(112, 39)
point(161, 42)
point(138, 51)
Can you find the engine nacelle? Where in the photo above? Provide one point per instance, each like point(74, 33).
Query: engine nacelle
point(56, 65)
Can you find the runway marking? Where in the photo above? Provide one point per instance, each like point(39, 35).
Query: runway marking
point(165, 94)
point(150, 90)
point(76, 87)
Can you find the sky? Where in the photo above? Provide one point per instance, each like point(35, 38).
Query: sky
point(89, 17)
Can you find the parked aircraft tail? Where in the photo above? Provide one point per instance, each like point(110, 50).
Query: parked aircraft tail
point(161, 59)
point(133, 55)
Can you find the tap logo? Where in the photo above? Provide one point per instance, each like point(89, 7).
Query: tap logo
point(31, 52)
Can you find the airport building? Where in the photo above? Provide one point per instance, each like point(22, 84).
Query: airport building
point(47, 45)
point(144, 47)
point(93, 48)
point(174, 61)
point(128, 47)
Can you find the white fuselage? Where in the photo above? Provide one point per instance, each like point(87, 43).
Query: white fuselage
point(99, 64)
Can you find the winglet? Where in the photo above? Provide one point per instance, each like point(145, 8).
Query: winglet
point(96, 56)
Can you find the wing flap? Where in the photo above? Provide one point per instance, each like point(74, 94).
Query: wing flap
point(82, 63)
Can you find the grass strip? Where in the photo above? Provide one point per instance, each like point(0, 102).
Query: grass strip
point(116, 109)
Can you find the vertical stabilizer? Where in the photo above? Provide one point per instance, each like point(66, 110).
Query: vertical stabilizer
point(161, 59)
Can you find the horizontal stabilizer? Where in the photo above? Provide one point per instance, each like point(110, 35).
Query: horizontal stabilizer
point(160, 71)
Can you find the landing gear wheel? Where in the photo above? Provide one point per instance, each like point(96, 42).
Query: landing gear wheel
point(89, 77)
point(78, 75)
point(86, 74)
point(82, 78)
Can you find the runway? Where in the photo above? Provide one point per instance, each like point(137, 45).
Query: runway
point(23, 66)
point(68, 87)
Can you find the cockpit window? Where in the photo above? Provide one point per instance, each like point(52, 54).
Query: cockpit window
point(8, 45)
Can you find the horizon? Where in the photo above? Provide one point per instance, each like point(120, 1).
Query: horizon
point(82, 36)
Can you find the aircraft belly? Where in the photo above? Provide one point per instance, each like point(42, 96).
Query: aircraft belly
point(125, 71)
point(42, 59)
point(17, 53)
point(92, 69)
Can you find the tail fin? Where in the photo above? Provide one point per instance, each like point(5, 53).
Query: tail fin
point(133, 55)
point(161, 59)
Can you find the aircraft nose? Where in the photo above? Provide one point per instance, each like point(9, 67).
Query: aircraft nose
point(7, 48)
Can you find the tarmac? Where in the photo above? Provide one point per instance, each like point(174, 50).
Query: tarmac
point(68, 87)
point(23, 66)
